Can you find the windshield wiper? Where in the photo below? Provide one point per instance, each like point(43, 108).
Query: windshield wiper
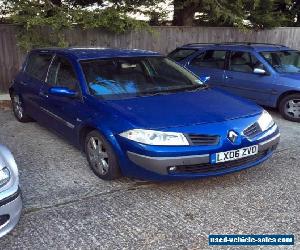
point(153, 93)
point(173, 90)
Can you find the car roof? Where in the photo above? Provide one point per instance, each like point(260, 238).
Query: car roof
point(237, 46)
point(93, 53)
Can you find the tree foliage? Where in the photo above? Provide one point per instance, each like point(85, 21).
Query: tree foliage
point(257, 14)
point(37, 16)
point(208, 12)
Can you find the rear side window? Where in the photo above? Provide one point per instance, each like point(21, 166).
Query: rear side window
point(62, 74)
point(37, 65)
point(180, 54)
point(210, 59)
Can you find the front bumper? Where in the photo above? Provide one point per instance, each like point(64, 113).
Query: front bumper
point(200, 165)
point(10, 212)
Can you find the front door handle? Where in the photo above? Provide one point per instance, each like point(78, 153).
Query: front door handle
point(228, 77)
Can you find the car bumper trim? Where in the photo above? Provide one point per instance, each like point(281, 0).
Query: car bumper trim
point(160, 165)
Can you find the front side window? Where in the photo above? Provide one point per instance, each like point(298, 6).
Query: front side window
point(37, 65)
point(211, 59)
point(61, 74)
point(129, 77)
point(244, 62)
point(180, 54)
point(287, 61)
point(241, 61)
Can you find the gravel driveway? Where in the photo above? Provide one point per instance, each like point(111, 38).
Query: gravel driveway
point(67, 206)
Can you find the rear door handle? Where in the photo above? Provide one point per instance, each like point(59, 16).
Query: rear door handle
point(228, 77)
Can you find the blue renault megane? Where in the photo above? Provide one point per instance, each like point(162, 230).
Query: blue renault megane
point(137, 113)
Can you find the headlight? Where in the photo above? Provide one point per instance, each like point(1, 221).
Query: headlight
point(158, 138)
point(265, 121)
point(4, 176)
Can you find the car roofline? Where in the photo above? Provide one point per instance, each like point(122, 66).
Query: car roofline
point(249, 44)
point(116, 57)
point(226, 45)
point(72, 51)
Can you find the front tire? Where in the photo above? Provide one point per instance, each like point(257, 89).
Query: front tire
point(101, 157)
point(18, 108)
point(289, 107)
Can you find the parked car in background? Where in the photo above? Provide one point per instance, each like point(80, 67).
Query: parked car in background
point(265, 73)
point(10, 196)
point(140, 114)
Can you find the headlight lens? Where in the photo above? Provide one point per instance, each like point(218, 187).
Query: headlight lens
point(4, 176)
point(158, 138)
point(265, 121)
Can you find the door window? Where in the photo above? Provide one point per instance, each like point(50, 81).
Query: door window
point(244, 62)
point(180, 54)
point(210, 59)
point(61, 74)
point(37, 65)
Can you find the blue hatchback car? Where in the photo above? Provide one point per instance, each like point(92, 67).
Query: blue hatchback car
point(265, 73)
point(140, 114)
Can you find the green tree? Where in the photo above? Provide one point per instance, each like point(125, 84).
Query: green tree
point(208, 12)
point(291, 10)
point(43, 23)
point(265, 14)
point(5, 9)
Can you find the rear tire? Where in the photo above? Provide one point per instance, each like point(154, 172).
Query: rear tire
point(101, 156)
point(18, 108)
point(289, 107)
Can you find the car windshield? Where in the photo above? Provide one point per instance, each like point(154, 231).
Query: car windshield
point(118, 78)
point(287, 61)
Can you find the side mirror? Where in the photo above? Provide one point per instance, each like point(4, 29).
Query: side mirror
point(63, 91)
point(259, 71)
point(204, 79)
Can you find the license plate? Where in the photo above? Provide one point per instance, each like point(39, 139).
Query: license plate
point(236, 154)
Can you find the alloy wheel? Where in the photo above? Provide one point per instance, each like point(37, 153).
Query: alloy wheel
point(17, 105)
point(98, 155)
point(292, 108)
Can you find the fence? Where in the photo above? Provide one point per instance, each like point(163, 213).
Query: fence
point(162, 39)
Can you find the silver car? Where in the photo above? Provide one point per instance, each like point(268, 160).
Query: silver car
point(10, 196)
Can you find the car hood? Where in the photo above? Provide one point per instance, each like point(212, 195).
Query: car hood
point(182, 109)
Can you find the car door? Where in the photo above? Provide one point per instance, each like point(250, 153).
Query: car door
point(210, 63)
point(247, 76)
point(62, 111)
point(32, 81)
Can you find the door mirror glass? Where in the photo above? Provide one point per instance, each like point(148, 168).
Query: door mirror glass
point(63, 91)
point(259, 71)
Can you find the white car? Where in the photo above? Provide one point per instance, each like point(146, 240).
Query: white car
point(10, 195)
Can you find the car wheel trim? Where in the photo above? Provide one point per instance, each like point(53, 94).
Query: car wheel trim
point(97, 155)
point(292, 108)
point(18, 106)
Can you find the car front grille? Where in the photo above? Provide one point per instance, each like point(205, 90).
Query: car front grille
point(252, 130)
point(203, 140)
point(207, 168)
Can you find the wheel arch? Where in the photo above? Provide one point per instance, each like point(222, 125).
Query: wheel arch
point(83, 133)
point(88, 127)
point(285, 94)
